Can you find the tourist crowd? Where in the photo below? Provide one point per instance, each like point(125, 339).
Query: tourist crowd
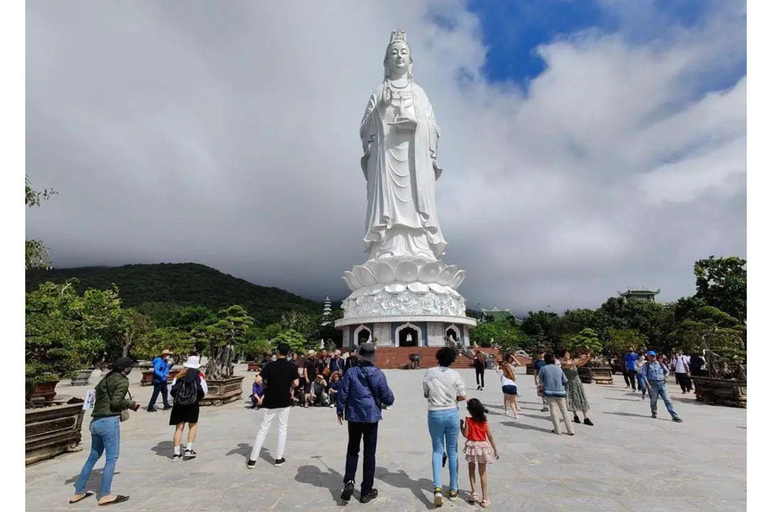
point(359, 392)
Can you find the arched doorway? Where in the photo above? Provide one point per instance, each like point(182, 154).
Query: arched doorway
point(408, 337)
point(452, 333)
point(362, 335)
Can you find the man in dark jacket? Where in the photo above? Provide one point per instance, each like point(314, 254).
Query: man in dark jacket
point(162, 366)
point(363, 391)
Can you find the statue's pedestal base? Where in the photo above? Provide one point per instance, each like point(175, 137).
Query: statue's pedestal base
point(406, 331)
point(404, 302)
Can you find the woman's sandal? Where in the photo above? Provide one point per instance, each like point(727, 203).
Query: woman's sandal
point(485, 503)
point(81, 498)
point(473, 498)
point(120, 499)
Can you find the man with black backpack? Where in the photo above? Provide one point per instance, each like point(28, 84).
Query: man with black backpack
point(278, 377)
point(363, 391)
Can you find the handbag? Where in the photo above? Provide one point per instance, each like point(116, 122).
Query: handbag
point(124, 414)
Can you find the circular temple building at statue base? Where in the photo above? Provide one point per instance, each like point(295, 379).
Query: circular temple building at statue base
point(404, 302)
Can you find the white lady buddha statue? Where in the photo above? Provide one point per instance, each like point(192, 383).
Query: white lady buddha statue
point(399, 136)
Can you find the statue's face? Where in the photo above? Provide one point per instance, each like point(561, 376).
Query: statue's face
point(398, 57)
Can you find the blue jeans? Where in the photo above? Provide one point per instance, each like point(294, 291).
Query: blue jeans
point(444, 430)
point(641, 384)
point(105, 435)
point(659, 388)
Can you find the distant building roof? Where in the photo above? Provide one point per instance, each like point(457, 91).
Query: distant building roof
point(640, 293)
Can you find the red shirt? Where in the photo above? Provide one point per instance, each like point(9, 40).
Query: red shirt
point(477, 431)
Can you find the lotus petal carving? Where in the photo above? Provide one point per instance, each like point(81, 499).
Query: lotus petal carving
point(384, 273)
point(364, 275)
point(395, 288)
point(418, 287)
point(458, 279)
point(438, 288)
point(430, 272)
point(351, 280)
point(407, 272)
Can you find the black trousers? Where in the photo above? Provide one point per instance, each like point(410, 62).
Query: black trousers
point(632, 374)
point(369, 432)
point(480, 377)
point(160, 387)
point(685, 381)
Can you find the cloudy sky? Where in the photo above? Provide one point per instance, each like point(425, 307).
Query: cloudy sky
point(587, 146)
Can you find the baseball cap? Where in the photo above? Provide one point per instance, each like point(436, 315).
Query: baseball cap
point(650, 353)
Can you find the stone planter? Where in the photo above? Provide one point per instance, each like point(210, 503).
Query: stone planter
point(714, 391)
point(53, 430)
point(45, 390)
point(82, 378)
point(253, 366)
point(596, 374)
point(223, 391)
point(146, 377)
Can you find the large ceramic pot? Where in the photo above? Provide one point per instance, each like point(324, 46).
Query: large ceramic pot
point(597, 374)
point(52, 430)
point(253, 366)
point(45, 390)
point(714, 391)
point(82, 378)
point(223, 391)
point(529, 369)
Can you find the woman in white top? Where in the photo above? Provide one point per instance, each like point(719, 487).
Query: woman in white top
point(444, 388)
point(639, 362)
point(509, 387)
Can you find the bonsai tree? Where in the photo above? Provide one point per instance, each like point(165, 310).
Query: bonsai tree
point(222, 337)
point(585, 341)
point(717, 334)
point(296, 341)
point(50, 334)
point(150, 344)
point(618, 341)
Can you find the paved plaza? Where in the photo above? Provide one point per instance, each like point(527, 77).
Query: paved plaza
point(626, 462)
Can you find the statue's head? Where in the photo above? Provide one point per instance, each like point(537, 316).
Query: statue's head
point(398, 58)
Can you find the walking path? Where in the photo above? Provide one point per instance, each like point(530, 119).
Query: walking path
point(626, 462)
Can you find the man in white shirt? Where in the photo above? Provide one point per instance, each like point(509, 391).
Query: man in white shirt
point(682, 366)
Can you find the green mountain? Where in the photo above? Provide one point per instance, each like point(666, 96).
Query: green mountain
point(181, 284)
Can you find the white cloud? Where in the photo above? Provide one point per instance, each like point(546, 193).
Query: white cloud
point(227, 135)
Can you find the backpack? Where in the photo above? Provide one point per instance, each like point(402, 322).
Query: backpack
point(186, 392)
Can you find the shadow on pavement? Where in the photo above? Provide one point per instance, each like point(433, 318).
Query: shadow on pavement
point(402, 480)
point(636, 415)
point(329, 479)
point(164, 449)
point(526, 427)
point(244, 450)
point(95, 477)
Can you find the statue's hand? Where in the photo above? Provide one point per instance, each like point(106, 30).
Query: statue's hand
point(404, 123)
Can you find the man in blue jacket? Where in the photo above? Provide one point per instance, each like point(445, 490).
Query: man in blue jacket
point(162, 365)
point(363, 391)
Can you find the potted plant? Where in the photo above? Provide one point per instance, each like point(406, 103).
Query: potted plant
point(221, 340)
point(722, 340)
point(54, 322)
point(152, 343)
point(594, 370)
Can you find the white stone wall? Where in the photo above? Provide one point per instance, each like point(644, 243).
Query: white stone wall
point(435, 334)
point(383, 333)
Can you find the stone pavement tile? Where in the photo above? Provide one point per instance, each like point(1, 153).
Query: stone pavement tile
point(663, 503)
point(241, 498)
point(173, 498)
point(594, 487)
point(587, 504)
point(521, 501)
point(603, 462)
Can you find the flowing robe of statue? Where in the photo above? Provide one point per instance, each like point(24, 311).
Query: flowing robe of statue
point(401, 171)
